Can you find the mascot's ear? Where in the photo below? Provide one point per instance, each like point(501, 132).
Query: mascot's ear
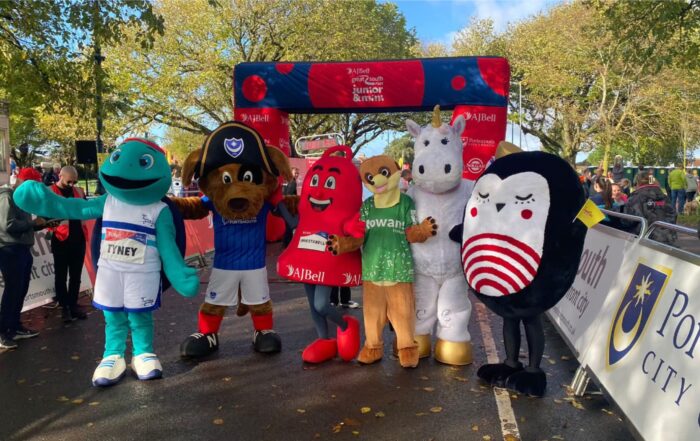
point(458, 125)
point(190, 166)
point(413, 128)
point(281, 162)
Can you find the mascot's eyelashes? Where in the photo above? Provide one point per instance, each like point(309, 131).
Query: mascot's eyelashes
point(330, 183)
point(523, 198)
point(226, 178)
point(484, 196)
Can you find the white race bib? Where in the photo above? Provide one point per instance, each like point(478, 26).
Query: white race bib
point(124, 246)
point(315, 241)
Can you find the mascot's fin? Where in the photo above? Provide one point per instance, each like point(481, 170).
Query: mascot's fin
point(180, 238)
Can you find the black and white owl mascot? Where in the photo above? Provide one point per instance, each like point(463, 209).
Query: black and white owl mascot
point(521, 246)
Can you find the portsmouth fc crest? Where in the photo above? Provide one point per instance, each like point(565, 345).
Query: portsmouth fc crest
point(234, 147)
point(635, 310)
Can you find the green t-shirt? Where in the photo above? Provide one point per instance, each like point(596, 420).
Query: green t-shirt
point(386, 254)
point(676, 180)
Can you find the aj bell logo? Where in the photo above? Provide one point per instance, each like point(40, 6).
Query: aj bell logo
point(306, 274)
point(635, 310)
point(234, 147)
point(480, 117)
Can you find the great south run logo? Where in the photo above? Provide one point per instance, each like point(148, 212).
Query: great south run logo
point(365, 87)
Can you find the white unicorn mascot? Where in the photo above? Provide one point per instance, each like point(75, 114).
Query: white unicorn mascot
point(440, 288)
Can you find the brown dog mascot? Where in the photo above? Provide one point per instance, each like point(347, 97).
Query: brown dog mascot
point(239, 176)
point(387, 263)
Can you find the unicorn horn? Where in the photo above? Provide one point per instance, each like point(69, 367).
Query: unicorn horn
point(505, 148)
point(436, 116)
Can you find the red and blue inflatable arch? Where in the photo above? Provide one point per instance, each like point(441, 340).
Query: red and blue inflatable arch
point(476, 87)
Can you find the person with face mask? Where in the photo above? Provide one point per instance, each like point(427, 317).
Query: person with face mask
point(68, 248)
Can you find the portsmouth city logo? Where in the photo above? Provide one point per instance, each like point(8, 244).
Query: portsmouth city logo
point(635, 310)
point(234, 147)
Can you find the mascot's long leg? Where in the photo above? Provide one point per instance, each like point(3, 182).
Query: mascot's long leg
point(532, 380)
point(144, 362)
point(453, 312)
point(265, 340)
point(401, 313)
point(113, 367)
point(496, 374)
point(325, 348)
point(426, 290)
point(375, 317)
point(206, 341)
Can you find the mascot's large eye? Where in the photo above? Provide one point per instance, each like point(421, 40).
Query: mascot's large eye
point(444, 141)
point(247, 176)
point(314, 181)
point(251, 174)
point(226, 177)
point(146, 161)
point(115, 156)
point(369, 178)
point(483, 196)
point(523, 198)
point(385, 172)
point(426, 142)
point(330, 183)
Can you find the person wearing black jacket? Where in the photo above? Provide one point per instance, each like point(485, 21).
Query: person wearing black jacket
point(16, 240)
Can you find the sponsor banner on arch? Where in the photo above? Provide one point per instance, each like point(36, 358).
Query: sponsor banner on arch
point(646, 348)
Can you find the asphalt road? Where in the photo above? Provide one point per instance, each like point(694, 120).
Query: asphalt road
point(45, 390)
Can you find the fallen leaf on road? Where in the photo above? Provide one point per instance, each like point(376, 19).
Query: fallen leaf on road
point(90, 424)
point(75, 357)
point(337, 428)
point(607, 411)
point(423, 377)
point(421, 414)
point(365, 409)
point(436, 409)
point(428, 389)
point(550, 361)
point(380, 414)
point(557, 437)
point(227, 378)
point(218, 421)
point(486, 438)
point(63, 398)
point(510, 437)
point(301, 410)
point(475, 428)
point(577, 405)
point(355, 432)
point(78, 401)
point(558, 401)
point(565, 357)
point(462, 379)
point(93, 403)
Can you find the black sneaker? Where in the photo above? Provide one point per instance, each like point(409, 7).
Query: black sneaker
point(7, 343)
point(199, 345)
point(77, 313)
point(67, 315)
point(267, 342)
point(23, 333)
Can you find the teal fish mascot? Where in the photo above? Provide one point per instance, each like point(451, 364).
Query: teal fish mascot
point(138, 233)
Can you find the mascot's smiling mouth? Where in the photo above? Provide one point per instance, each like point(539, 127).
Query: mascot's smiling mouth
point(319, 205)
point(127, 184)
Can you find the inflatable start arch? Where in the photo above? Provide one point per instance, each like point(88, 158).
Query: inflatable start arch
point(476, 87)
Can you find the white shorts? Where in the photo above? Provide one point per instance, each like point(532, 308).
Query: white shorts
point(223, 287)
point(129, 292)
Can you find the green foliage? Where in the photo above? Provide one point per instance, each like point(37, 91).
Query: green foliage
point(179, 143)
point(401, 147)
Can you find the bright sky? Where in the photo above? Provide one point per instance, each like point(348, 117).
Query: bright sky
point(441, 20)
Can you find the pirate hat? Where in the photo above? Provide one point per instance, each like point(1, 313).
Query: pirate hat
point(234, 143)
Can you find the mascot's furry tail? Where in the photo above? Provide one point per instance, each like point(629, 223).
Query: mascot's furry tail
point(242, 309)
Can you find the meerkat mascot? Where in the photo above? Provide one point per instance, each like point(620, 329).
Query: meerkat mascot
point(138, 233)
point(387, 263)
point(521, 247)
point(442, 303)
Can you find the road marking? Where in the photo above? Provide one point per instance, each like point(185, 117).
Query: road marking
point(509, 425)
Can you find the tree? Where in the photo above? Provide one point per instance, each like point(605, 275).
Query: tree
point(179, 143)
point(186, 80)
point(401, 147)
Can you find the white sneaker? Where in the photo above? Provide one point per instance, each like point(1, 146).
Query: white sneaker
point(110, 370)
point(147, 366)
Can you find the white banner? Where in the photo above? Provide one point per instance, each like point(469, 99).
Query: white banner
point(602, 255)
point(41, 286)
point(645, 351)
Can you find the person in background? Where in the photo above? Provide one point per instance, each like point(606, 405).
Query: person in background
point(406, 180)
point(618, 196)
point(345, 301)
point(641, 177)
point(625, 186)
point(175, 169)
point(603, 194)
point(618, 169)
point(16, 240)
point(678, 186)
point(68, 248)
point(50, 175)
point(291, 188)
point(692, 185)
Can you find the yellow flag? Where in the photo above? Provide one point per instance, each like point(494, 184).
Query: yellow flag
point(590, 214)
point(401, 162)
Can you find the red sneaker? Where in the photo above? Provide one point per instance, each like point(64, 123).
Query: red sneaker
point(320, 350)
point(349, 340)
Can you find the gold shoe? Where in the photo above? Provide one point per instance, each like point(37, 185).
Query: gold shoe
point(454, 353)
point(423, 345)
